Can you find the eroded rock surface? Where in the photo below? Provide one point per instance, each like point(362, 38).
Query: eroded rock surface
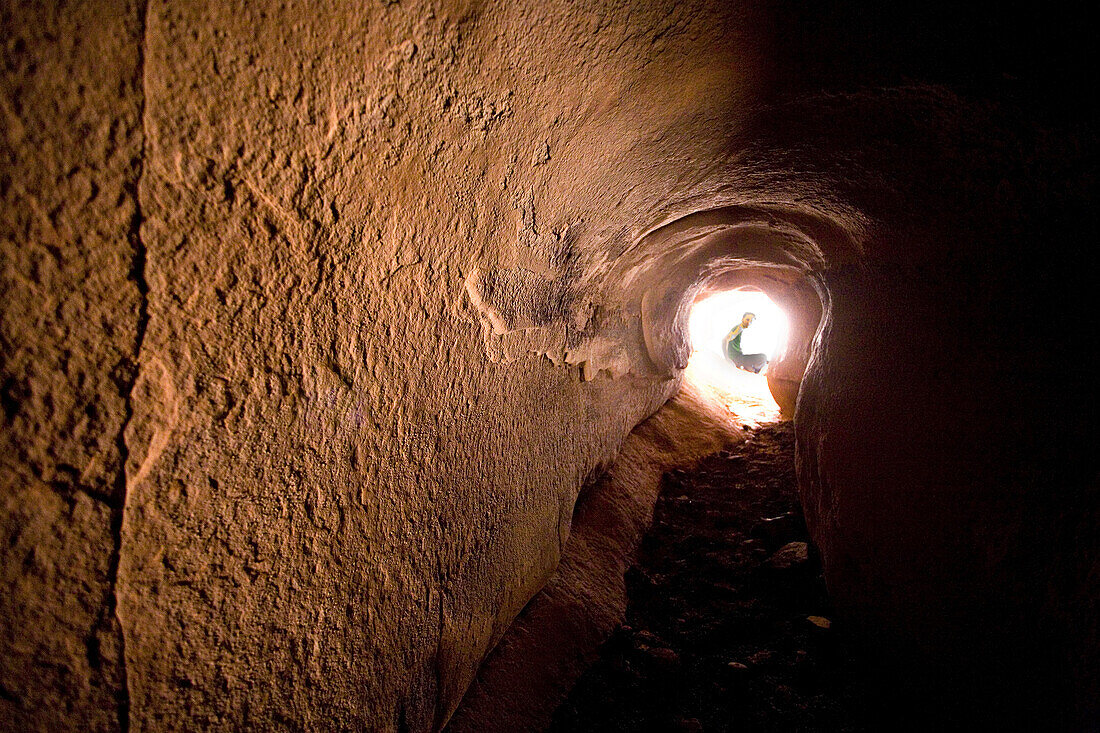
point(549, 645)
point(361, 428)
point(72, 305)
point(317, 319)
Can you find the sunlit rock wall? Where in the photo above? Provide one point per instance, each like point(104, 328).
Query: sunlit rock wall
point(316, 320)
point(379, 356)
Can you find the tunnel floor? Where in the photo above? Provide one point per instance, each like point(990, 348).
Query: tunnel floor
point(728, 625)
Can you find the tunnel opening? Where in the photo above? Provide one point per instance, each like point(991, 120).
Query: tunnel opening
point(715, 320)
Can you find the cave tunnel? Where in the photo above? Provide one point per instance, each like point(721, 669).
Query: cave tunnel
point(345, 351)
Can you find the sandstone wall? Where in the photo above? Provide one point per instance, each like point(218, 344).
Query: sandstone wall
point(72, 297)
point(551, 643)
point(316, 321)
point(376, 355)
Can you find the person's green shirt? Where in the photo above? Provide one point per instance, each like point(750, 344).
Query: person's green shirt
point(733, 340)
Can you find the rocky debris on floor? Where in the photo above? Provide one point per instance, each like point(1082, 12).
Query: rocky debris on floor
point(781, 529)
point(726, 614)
point(790, 555)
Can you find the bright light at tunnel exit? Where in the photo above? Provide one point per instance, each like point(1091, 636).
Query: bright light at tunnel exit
point(744, 394)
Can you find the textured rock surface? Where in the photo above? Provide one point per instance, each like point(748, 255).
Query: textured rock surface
point(70, 155)
point(374, 376)
point(316, 321)
point(550, 643)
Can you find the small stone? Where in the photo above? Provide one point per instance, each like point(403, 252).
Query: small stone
point(646, 638)
point(737, 666)
point(779, 530)
point(761, 657)
point(790, 555)
point(663, 655)
point(541, 154)
point(819, 621)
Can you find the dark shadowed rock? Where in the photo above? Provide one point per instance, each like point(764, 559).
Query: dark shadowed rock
point(791, 555)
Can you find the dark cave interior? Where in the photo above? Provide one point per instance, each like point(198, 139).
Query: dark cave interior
point(344, 358)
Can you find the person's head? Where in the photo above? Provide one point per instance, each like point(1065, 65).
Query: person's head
point(747, 319)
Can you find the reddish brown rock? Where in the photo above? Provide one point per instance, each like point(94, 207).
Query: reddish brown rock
point(316, 321)
point(790, 555)
point(71, 309)
point(557, 635)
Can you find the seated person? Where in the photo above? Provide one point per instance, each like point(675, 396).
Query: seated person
point(732, 347)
